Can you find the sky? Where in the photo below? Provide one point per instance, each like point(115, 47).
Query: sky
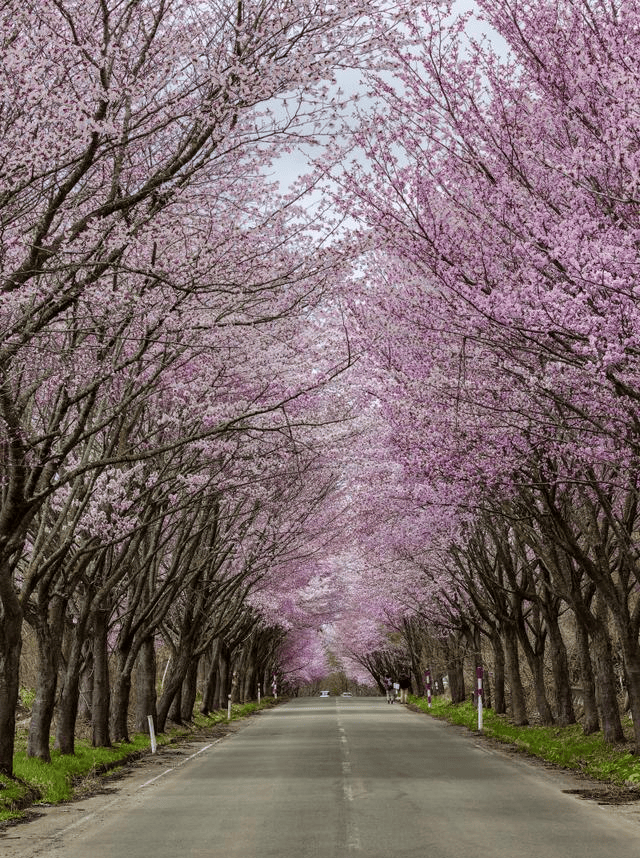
point(291, 167)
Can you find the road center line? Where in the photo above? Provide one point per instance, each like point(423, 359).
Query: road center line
point(352, 831)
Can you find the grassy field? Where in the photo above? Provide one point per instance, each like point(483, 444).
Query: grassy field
point(36, 782)
point(565, 746)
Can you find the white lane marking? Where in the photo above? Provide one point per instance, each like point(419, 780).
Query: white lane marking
point(146, 783)
point(206, 748)
point(89, 816)
point(353, 837)
point(177, 766)
point(84, 819)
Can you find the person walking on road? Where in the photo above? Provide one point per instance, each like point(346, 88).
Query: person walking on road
point(405, 685)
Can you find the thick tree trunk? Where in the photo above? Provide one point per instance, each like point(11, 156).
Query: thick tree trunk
point(512, 663)
point(590, 720)
point(10, 648)
point(223, 683)
point(173, 688)
point(175, 710)
point(560, 667)
point(100, 700)
point(86, 685)
point(499, 699)
point(535, 659)
point(235, 686)
point(606, 692)
point(48, 631)
point(631, 653)
point(455, 670)
point(189, 691)
point(145, 678)
point(67, 711)
point(536, 664)
point(208, 694)
point(119, 702)
point(250, 680)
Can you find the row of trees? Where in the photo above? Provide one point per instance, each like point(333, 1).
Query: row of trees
point(219, 434)
point(498, 196)
point(171, 345)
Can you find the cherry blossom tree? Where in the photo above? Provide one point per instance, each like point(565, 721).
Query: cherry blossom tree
point(497, 305)
point(139, 239)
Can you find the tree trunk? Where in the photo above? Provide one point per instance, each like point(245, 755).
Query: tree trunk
point(145, 676)
point(48, 631)
point(10, 648)
point(119, 702)
point(235, 685)
point(590, 720)
point(222, 689)
point(512, 663)
point(172, 688)
point(560, 668)
point(631, 652)
point(250, 681)
point(606, 693)
point(67, 710)
point(100, 700)
point(189, 691)
point(455, 669)
point(499, 700)
point(175, 709)
point(536, 664)
point(208, 694)
point(85, 690)
point(534, 653)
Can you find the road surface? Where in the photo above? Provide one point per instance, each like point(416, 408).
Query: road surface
point(327, 778)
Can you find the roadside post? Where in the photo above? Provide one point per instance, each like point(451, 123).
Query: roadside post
point(152, 734)
point(229, 708)
point(427, 682)
point(479, 674)
point(274, 687)
point(258, 694)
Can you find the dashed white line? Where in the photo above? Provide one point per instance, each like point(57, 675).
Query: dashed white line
point(352, 831)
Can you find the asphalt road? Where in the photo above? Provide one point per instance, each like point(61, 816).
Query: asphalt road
point(333, 778)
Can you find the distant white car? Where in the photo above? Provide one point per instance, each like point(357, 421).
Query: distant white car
point(324, 694)
point(347, 694)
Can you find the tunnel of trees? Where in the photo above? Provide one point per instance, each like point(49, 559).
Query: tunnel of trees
point(379, 416)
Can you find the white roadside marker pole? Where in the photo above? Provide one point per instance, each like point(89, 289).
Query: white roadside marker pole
point(152, 734)
point(480, 713)
point(229, 709)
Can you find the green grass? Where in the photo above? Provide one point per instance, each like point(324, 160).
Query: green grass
point(50, 783)
point(27, 696)
point(564, 746)
point(13, 795)
point(54, 781)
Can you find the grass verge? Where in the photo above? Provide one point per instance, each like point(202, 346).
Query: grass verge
point(567, 747)
point(36, 782)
